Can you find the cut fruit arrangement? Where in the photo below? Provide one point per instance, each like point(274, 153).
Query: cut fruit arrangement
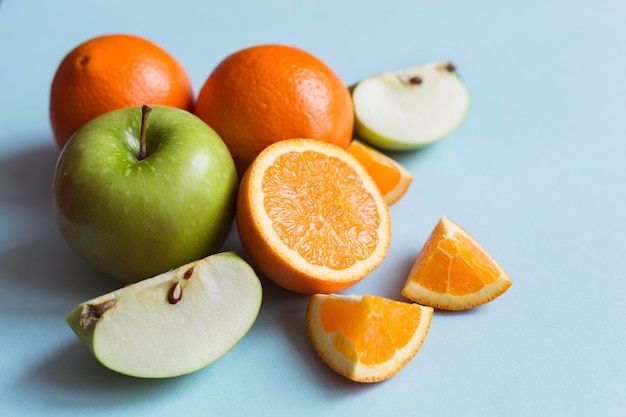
point(369, 338)
point(148, 183)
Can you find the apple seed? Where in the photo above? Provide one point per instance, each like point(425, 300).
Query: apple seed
point(175, 294)
point(415, 80)
point(92, 314)
point(188, 273)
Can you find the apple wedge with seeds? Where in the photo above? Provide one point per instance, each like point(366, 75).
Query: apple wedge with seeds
point(409, 108)
point(174, 323)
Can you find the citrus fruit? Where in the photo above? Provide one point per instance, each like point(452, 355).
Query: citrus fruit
point(366, 338)
point(266, 93)
point(392, 178)
point(311, 218)
point(111, 72)
point(454, 272)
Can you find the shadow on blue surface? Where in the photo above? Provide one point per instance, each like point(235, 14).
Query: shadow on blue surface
point(71, 377)
point(26, 177)
point(36, 263)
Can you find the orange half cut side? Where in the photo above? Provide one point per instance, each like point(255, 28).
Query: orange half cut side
point(366, 338)
point(311, 218)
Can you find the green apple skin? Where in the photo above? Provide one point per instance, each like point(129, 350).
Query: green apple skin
point(132, 219)
point(139, 331)
point(394, 114)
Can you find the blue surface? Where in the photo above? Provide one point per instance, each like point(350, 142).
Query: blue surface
point(535, 172)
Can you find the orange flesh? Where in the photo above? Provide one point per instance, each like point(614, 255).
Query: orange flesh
point(369, 330)
point(385, 175)
point(464, 266)
point(319, 208)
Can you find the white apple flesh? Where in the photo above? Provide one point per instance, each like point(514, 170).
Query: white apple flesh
point(174, 323)
point(410, 108)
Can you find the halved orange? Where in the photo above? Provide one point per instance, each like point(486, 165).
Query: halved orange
point(311, 218)
point(392, 178)
point(454, 272)
point(366, 338)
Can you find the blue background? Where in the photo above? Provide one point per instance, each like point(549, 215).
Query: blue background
point(535, 172)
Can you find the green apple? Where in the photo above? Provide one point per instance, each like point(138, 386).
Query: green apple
point(136, 197)
point(174, 323)
point(410, 108)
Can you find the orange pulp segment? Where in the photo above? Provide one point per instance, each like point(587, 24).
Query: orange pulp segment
point(454, 272)
point(311, 218)
point(391, 177)
point(366, 338)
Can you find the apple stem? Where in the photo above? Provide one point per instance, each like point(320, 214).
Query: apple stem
point(145, 115)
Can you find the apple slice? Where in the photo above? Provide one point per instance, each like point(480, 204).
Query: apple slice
point(410, 108)
point(174, 323)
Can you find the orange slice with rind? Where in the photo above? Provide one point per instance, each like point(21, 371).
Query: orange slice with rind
point(366, 338)
point(392, 178)
point(311, 218)
point(454, 272)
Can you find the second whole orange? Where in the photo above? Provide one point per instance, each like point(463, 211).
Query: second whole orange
point(267, 93)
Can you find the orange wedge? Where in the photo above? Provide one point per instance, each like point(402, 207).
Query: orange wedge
point(391, 177)
point(366, 338)
point(454, 272)
point(311, 218)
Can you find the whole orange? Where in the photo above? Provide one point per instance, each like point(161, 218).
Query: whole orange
point(267, 93)
point(111, 72)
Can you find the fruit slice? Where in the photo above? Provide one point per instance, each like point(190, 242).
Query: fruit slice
point(366, 338)
point(174, 323)
point(454, 272)
point(311, 218)
point(392, 179)
point(410, 108)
